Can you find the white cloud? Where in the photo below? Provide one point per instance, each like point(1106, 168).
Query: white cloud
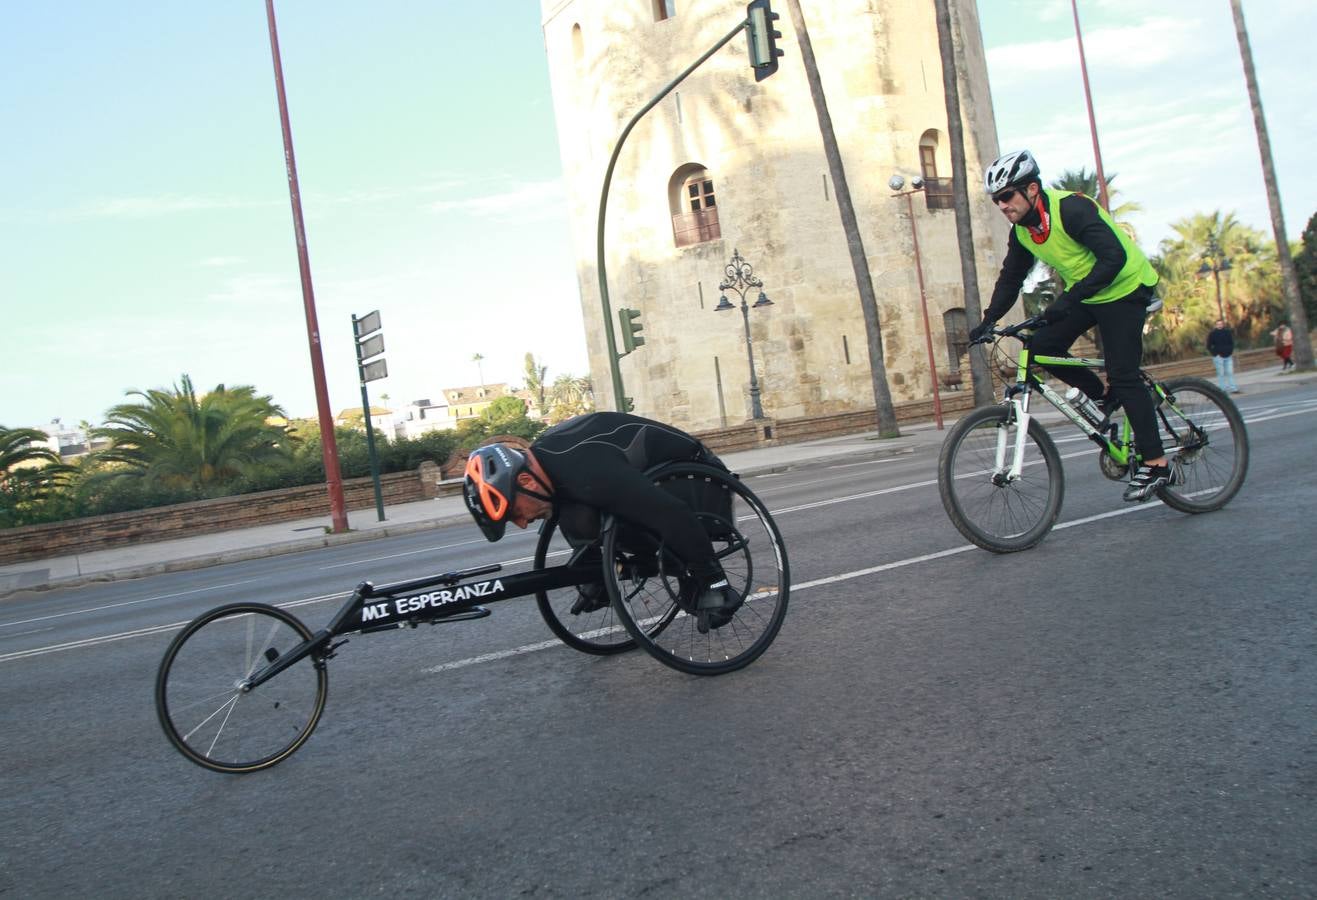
point(537, 200)
point(1141, 46)
point(163, 205)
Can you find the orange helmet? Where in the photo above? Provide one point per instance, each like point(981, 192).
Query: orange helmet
point(490, 486)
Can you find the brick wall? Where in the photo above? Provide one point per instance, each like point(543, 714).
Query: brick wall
point(209, 516)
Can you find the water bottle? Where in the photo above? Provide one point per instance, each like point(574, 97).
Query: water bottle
point(1084, 405)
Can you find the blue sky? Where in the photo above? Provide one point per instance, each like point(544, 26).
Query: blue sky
point(145, 228)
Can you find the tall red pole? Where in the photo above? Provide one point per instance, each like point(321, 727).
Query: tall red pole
point(329, 447)
point(1092, 122)
point(923, 302)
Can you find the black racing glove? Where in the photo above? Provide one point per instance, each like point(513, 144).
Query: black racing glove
point(980, 331)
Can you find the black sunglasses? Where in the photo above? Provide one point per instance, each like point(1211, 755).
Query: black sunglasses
point(1003, 196)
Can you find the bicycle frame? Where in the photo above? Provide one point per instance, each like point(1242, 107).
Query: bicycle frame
point(1018, 395)
point(1119, 445)
point(450, 597)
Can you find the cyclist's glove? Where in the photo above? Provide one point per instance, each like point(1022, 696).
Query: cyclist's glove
point(980, 331)
point(1057, 311)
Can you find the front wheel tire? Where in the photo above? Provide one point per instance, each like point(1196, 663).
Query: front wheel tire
point(994, 512)
point(201, 701)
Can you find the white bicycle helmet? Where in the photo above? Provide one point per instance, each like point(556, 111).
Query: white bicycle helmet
point(1010, 170)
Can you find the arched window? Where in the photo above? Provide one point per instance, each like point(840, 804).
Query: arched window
point(694, 206)
point(937, 191)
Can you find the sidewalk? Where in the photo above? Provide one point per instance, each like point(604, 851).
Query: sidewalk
point(140, 560)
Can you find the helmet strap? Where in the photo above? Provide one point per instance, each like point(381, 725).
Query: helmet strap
point(1042, 224)
point(547, 496)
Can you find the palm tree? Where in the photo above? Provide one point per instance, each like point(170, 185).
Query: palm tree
point(1085, 182)
point(882, 394)
point(1250, 289)
point(980, 376)
point(570, 396)
point(179, 439)
point(29, 472)
point(1298, 316)
point(535, 382)
point(479, 368)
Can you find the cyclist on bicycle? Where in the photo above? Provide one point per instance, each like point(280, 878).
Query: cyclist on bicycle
point(595, 463)
point(1108, 283)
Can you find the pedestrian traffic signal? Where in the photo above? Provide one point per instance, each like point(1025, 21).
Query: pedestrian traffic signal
point(762, 38)
point(628, 404)
point(631, 328)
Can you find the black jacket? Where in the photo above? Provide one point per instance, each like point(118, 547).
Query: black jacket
point(1220, 342)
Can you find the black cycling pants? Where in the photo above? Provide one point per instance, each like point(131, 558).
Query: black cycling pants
point(1120, 323)
point(616, 487)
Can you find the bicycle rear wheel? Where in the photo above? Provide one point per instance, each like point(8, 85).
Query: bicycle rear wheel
point(1205, 432)
point(202, 706)
point(644, 586)
point(596, 630)
point(996, 512)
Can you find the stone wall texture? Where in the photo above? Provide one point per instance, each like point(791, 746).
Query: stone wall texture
point(760, 146)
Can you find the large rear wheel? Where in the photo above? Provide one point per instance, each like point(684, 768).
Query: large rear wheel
point(644, 585)
point(582, 616)
point(1203, 429)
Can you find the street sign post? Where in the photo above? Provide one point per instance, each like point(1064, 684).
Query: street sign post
point(370, 342)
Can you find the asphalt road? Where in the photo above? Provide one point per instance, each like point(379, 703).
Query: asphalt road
point(1130, 709)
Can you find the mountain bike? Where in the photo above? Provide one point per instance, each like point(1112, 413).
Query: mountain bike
point(999, 472)
point(242, 686)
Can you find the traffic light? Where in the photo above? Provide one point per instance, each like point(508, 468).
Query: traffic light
point(631, 328)
point(628, 404)
point(762, 38)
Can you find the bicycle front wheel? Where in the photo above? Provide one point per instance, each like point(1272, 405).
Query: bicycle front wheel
point(580, 623)
point(998, 512)
point(644, 586)
point(199, 693)
point(1205, 432)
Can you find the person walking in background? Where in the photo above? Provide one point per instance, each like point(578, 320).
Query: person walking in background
point(1284, 345)
point(1221, 344)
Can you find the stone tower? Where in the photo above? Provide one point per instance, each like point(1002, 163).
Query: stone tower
point(725, 164)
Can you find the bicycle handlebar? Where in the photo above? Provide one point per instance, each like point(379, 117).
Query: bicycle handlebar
point(1029, 324)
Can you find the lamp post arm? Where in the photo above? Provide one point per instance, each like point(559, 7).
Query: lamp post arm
point(618, 400)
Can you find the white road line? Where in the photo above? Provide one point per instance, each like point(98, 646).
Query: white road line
point(362, 562)
point(75, 612)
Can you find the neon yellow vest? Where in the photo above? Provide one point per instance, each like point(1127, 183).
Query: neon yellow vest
point(1072, 260)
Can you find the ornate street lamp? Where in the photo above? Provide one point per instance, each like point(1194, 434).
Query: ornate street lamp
point(896, 182)
point(1216, 262)
point(740, 278)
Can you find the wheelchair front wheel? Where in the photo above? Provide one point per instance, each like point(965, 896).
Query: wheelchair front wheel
point(204, 707)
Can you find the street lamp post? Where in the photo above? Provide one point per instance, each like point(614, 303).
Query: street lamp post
point(1216, 262)
point(740, 278)
point(896, 182)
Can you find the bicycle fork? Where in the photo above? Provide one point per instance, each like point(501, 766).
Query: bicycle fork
point(1002, 473)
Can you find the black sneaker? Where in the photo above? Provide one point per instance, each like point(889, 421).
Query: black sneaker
point(590, 598)
point(717, 606)
point(1147, 481)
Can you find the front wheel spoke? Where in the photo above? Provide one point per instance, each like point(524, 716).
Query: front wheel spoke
point(226, 707)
